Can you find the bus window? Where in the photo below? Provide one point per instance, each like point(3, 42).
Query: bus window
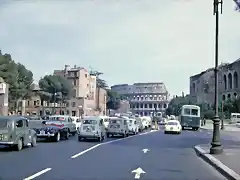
point(186, 111)
point(194, 112)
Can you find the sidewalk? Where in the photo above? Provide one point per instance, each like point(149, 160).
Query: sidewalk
point(227, 163)
point(227, 126)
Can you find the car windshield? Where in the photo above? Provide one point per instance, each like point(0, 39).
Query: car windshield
point(56, 118)
point(90, 122)
point(172, 123)
point(115, 121)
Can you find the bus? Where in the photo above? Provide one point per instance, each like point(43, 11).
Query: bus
point(190, 117)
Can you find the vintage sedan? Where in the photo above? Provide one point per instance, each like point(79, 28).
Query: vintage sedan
point(15, 132)
point(56, 128)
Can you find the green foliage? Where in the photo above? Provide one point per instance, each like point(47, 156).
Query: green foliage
point(113, 101)
point(56, 85)
point(176, 103)
point(100, 82)
point(17, 76)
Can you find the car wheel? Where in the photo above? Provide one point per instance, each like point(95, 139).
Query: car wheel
point(20, 144)
point(67, 135)
point(79, 138)
point(34, 141)
point(103, 136)
point(57, 137)
point(99, 139)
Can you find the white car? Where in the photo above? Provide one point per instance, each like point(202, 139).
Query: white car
point(173, 126)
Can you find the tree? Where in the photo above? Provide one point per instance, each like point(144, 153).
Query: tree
point(176, 103)
point(18, 77)
point(113, 101)
point(100, 82)
point(58, 86)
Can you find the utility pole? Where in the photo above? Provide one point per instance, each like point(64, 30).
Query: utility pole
point(216, 147)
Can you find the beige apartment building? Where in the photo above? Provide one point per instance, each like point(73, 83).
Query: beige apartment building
point(202, 85)
point(86, 97)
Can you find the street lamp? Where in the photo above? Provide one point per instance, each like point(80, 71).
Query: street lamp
point(80, 111)
point(216, 147)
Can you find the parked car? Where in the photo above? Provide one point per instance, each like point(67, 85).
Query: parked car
point(56, 128)
point(15, 132)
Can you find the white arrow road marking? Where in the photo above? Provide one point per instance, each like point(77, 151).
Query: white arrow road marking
point(138, 172)
point(145, 151)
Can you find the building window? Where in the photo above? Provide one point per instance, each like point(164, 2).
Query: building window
point(74, 92)
point(155, 98)
point(165, 106)
point(73, 104)
point(150, 105)
point(85, 75)
point(151, 98)
point(145, 106)
point(141, 105)
point(137, 105)
point(34, 103)
point(74, 82)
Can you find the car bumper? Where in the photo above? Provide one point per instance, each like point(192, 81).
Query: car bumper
point(116, 133)
point(45, 135)
point(88, 136)
point(6, 142)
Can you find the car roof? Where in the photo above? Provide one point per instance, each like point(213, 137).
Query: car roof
point(12, 118)
point(97, 118)
point(173, 121)
point(65, 116)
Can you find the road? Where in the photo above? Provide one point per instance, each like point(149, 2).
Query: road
point(169, 157)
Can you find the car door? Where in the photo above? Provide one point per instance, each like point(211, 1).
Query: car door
point(27, 132)
point(20, 129)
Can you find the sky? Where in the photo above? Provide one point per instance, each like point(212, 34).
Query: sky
point(128, 40)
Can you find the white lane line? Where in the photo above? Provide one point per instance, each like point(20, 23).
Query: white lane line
point(104, 143)
point(38, 174)
point(83, 152)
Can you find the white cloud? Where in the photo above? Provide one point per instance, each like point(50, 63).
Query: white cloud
point(129, 40)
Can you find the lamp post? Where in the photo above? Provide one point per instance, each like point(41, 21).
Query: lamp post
point(80, 111)
point(216, 147)
point(222, 122)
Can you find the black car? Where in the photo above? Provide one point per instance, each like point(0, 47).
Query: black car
point(53, 132)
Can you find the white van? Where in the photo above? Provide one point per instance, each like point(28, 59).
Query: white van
point(235, 117)
point(117, 126)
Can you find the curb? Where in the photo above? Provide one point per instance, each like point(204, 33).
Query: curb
point(218, 165)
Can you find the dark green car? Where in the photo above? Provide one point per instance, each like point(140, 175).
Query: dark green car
point(15, 132)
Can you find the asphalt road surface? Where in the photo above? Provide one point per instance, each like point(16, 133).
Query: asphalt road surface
point(168, 157)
